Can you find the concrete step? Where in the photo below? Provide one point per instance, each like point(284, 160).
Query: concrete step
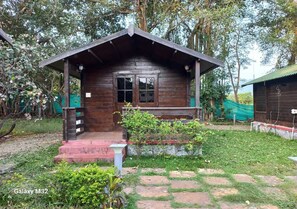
point(92, 142)
point(84, 158)
point(87, 151)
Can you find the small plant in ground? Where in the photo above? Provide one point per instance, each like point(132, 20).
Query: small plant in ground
point(139, 124)
point(89, 186)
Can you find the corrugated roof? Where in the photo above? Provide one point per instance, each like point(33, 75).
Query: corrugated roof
point(279, 73)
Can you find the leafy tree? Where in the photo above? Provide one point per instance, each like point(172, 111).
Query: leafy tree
point(16, 84)
point(243, 98)
point(275, 26)
point(236, 46)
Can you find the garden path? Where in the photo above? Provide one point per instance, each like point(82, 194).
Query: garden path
point(209, 188)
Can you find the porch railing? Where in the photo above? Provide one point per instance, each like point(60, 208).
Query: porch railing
point(163, 112)
point(73, 122)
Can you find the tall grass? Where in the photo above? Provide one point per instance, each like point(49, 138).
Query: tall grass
point(34, 126)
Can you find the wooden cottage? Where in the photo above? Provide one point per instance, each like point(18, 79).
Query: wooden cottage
point(128, 66)
point(275, 95)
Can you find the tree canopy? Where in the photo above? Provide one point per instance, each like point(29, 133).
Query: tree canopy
point(225, 29)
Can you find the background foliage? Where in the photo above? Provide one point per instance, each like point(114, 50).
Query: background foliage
point(226, 29)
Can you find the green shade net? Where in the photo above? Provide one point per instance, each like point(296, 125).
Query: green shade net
point(242, 112)
point(74, 102)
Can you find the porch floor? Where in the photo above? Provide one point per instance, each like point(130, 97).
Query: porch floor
point(113, 136)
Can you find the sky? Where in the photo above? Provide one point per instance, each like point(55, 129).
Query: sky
point(255, 69)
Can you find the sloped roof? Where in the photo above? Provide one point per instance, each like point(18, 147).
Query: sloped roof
point(5, 37)
point(129, 41)
point(280, 73)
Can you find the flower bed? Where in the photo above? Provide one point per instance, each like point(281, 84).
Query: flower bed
point(148, 135)
point(166, 147)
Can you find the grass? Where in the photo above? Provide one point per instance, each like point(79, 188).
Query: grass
point(28, 127)
point(235, 152)
point(230, 122)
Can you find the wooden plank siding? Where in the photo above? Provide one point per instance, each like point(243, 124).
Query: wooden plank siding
point(172, 89)
point(281, 97)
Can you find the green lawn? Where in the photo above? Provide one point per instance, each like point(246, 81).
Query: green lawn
point(27, 127)
point(235, 152)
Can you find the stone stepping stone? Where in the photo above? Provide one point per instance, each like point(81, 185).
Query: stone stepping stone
point(225, 205)
point(129, 170)
point(181, 184)
point(200, 208)
point(221, 192)
point(152, 191)
point(199, 198)
point(208, 171)
point(244, 178)
point(149, 204)
point(153, 170)
point(275, 193)
point(147, 180)
point(217, 181)
point(271, 180)
point(182, 174)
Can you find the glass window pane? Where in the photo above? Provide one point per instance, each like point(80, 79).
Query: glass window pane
point(151, 82)
point(128, 83)
point(142, 96)
point(129, 96)
point(142, 83)
point(121, 96)
point(120, 83)
point(150, 96)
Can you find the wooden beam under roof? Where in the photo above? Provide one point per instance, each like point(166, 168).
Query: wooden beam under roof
point(95, 55)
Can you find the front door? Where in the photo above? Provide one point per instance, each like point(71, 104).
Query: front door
point(136, 89)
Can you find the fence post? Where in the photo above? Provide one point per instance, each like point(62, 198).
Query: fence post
point(234, 119)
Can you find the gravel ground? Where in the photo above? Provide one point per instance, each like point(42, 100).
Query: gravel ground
point(16, 145)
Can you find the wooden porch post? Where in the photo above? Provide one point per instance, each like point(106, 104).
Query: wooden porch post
point(67, 83)
point(82, 89)
point(197, 86)
point(67, 100)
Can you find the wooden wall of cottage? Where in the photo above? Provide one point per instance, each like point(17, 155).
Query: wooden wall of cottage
point(273, 101)
point(173, 87)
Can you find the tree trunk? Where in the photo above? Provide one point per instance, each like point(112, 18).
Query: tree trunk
point(141, 14)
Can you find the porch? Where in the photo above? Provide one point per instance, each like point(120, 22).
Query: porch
point(74, 126)
point(83, 146)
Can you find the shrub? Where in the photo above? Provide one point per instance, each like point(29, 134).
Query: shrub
point(139, 124)
point(143, 126)
point(89, 186)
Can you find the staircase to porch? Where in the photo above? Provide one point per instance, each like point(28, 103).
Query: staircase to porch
point(90, 147)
